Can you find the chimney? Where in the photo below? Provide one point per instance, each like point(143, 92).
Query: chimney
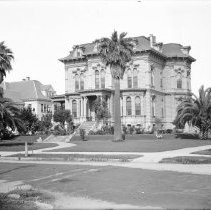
point(152, 40)
point(186, 49)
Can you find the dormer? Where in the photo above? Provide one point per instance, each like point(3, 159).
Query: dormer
point(186, 49)
point(78, 51)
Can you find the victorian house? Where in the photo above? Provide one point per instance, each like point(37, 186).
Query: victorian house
point(154, 83)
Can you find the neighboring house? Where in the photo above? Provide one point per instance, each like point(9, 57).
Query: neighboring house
point(154, 83)
point(30, 93)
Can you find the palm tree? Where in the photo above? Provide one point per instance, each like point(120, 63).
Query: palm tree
point(9, 116)
point(116, 52)
point(197, 111)
point(6, 56)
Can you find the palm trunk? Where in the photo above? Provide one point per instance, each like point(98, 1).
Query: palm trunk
point(117, 114)
point(1, 80)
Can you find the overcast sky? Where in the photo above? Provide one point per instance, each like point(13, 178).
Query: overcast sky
point(41, 32)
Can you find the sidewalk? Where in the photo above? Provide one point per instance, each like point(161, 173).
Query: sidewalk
point(147, 161)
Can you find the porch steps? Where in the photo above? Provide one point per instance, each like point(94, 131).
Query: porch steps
point(87, 126)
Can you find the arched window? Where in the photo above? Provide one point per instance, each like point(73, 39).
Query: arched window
point(129, 79)
point(138, 105)
point(76, 82)
point(74, 108)
point(179, 83)
point(82, 82)
point(102, 77)
point(128, 106)
point(135, 78)
point(152, 78)
point(97, 85)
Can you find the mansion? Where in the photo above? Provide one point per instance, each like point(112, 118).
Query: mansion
point(154, 83)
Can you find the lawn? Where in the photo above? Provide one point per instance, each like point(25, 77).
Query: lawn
point(20, 146)
point(18, 143)
point(149, 145)
point(203, 152)
point(187, 160)
point(81, 157)
point(167, 190)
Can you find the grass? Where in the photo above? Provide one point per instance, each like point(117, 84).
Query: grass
point(203, 152)
point(24, 138)
point(82, 157)
point(149, 145)
point(187, 160)
point(12, 147)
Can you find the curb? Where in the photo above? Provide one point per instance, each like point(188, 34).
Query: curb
point(65, 159)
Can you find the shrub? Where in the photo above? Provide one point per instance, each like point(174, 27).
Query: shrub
point(82, 134)
point(59, 130)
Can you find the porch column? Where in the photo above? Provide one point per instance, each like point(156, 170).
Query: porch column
point(70, 105)
point(78, 108)
point(84, 105)
point(112, 107)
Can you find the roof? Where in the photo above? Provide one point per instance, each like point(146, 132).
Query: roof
point(27, 90)
point(174, 50)
point(168, 50)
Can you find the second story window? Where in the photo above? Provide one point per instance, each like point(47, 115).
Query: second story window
point(179, 83)
point(129, 80)
point(97, 81)
point(82, 82)
point(42, 108)
point(153, 107)
point(152, 78)
point(76, 82)
point(102, 75)
point(135, 78)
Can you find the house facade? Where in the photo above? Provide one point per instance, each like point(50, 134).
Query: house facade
point(30, 93)
point(154, 83)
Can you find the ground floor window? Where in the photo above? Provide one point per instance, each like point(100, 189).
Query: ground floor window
point(74, 108)
point(138, 105)
point(128, 106)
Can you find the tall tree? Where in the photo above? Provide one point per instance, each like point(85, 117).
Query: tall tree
point(6, 56)
point(116, 52)
point(197, 111)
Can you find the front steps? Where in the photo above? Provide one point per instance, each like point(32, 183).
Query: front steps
point(87, 126)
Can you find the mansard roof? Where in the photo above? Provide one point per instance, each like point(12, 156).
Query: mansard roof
point(167, 50)
point(28, 90)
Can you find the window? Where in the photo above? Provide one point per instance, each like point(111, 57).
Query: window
point(76, 82)
point(161, 83)
point(97, 85)
point(42, 108)
point(152, 78)
point(135, 78)
point(179, 83)
point(102, 79)
point(129, 79)
point(45, 108)
point(78, 53)
point(128, 106)
point(82, 82)
point(138, 105)
point(74, 108)
point(153, 107)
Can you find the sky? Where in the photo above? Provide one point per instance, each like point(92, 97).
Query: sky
point(39, 32)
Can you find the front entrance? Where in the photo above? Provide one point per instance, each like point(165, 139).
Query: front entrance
point(90, 108)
